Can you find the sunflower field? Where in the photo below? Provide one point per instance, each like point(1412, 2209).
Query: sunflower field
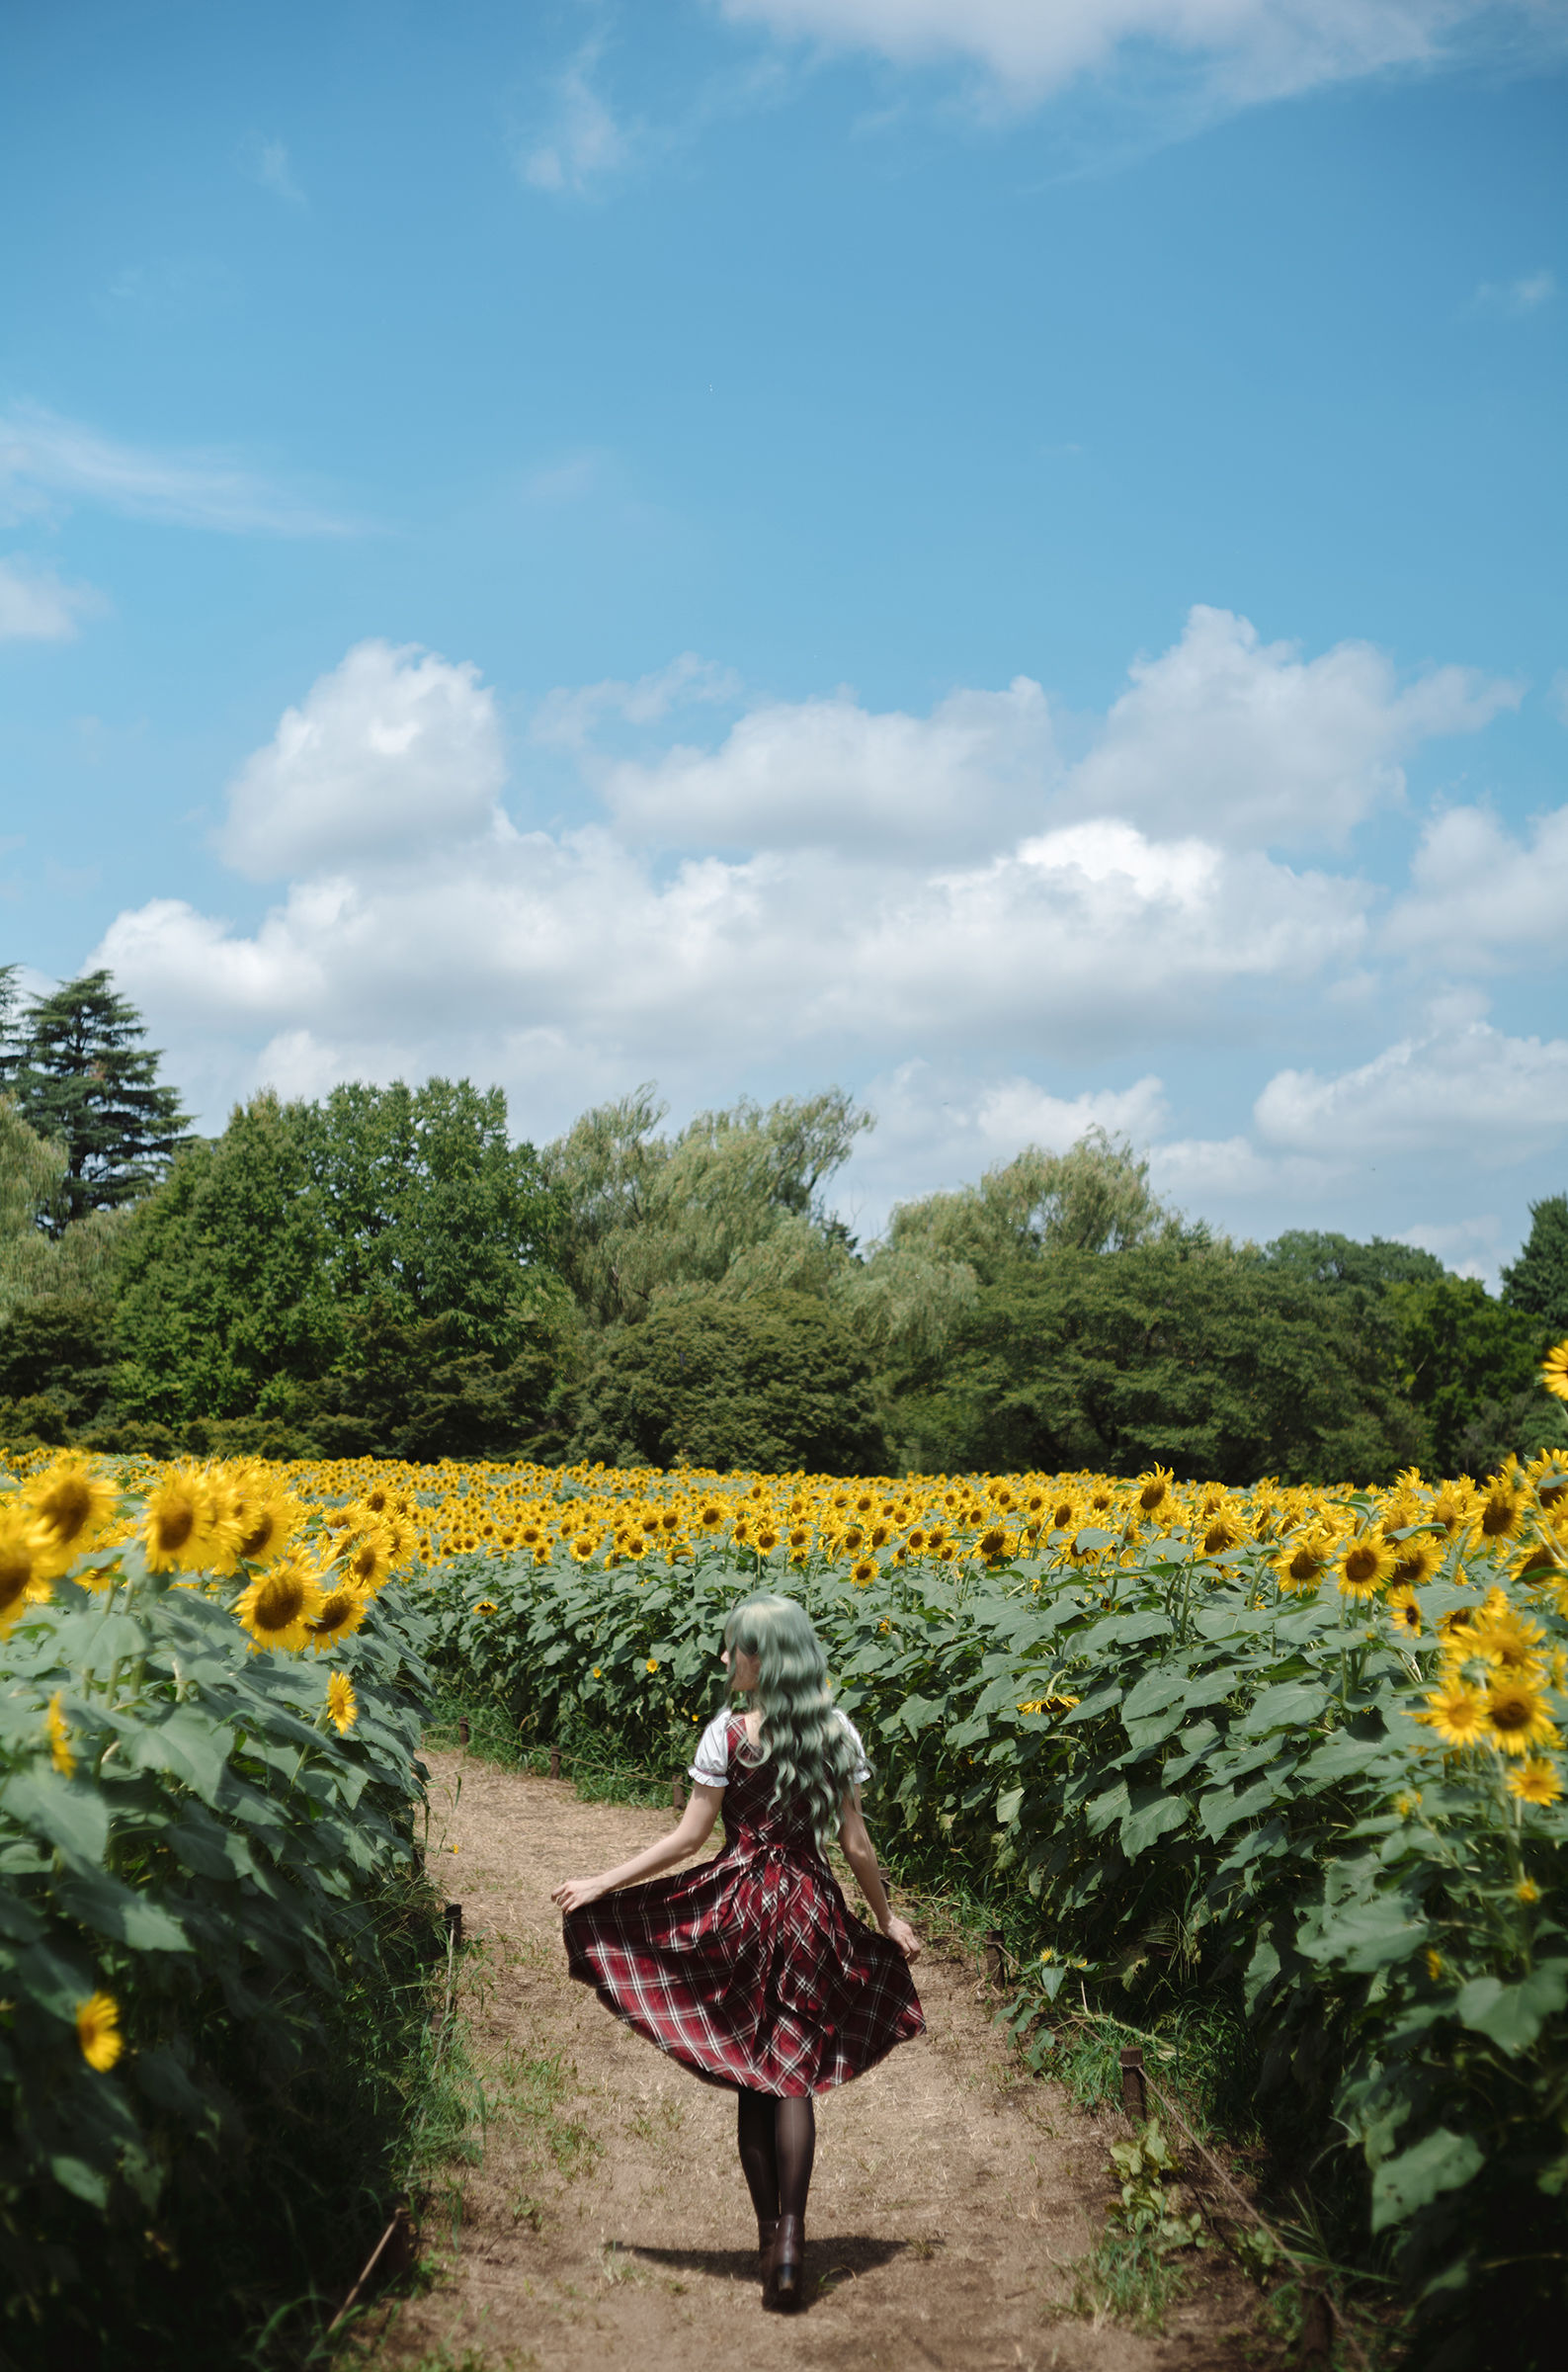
point(208, 1788)
point(1301, 1747)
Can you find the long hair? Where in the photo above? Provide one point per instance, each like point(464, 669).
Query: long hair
point(805, 1740)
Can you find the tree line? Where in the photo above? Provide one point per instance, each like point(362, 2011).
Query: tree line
point(384, 1271)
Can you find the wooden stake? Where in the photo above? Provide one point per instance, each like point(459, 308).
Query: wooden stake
point(555, 1762)
point(1135, 2097)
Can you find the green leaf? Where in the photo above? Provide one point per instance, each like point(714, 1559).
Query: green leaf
point(1289, 1705)
point(1223, 1809)
point(187, 1743)
point(1155, 1816)
point(1443, 2162)
point(1512, 2016)
point(70, 1813)
point(102, 1902)
point(1112, 1805)
point(1007, 1807)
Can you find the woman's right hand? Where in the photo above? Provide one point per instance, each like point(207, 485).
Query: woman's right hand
point(574, 1892)
point(900, 1932)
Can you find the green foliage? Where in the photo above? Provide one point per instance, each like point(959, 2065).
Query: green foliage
point(1537, 1281)
point(775, 1383)
point(1174, 1352)
point(192, 1838)
point(1470, 1366)
point(80, 1074)
point(364, 1275)
point(644, 1213)
point(1095, 1197)
point(1348, 1267)
point(1239, 1799)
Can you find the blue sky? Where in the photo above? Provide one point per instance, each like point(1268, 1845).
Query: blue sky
point(1002, 552)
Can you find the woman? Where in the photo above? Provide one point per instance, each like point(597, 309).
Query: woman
point(751, 1970)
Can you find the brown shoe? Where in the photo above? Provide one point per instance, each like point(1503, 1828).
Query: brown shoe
point(767, 2226)
point(784, 2274)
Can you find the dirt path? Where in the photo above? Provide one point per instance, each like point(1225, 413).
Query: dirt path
point(608, 2224)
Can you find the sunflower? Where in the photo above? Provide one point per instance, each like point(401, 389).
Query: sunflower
point(995, 1544)
point(21, 1568)
point(1302, 1563)
point(850, 1540)
point(1458, 1713)
point(1527, 1891)
point(68, 1505)
point(1153, 1489)
point(1503, 1506)
point(1554, 1371)
point(191, 1524)
point(98, 2031)
point(710, 1516)
point(1536, 1781)
point(281, 1605)
point(60, 1754)
point(343, 1610)
point(485, 1606)
point(1416, 1561)
point(653, 1663)
point(1506, 1638)
point(343, 1706)
point(766, 1539)
point(1516, 1717)
point(1402, 1605)
point(1226, 1529)
point(1365, 1564)
point(366, 1561)
point(863, 1572)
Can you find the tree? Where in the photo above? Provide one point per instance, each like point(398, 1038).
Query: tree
point(1537, 1281)
point(1346, 1266)
point(644, 1214)
point(79, 1073)
point(1094, 1198)
point(275, 1280)
point(1471, 1367)
point(771, 1383)
point(1175, 1352)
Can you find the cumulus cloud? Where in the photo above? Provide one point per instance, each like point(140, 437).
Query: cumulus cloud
point(827, 773)
point(1245, 739)
point(42, 456)
point(1469, 1088)
point(393, 753)
point(36, 607)
point(1250, 50)
point(1483, 897)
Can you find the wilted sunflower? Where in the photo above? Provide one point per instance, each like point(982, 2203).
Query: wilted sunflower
point(98, 2031)
point(1365, 1564)
point(21, 1579)
point(343, 1610)
point(1554, 1371)
point(1536, 1781)
point(485, 1606)
point(343, 1707)
point(1154, 1489)
point(68, 1505)
point(1516, 1717)
point(1226, 1529)
point(281, 1605)
point(1458, 1713)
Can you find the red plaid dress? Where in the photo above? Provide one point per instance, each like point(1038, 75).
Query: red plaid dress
point(751, 1970)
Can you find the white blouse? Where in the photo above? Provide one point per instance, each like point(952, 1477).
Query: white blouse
point(709, 1765)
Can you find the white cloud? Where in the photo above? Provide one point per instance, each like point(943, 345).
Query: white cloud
point(36, 607)
point(1470, 1088)
point(1197, 1172)
point(826, 773)
point(1527, 294)
point(567, 719)
point(392, 753)
point(275, 171)
point(41, 454)
point(584, 145)
point(1251, 49)
point(1481, 897)
point(1244, 739)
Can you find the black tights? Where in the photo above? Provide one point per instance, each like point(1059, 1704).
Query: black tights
point(778, 2141)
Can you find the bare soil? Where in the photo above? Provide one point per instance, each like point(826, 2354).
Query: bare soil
point(606, 2222)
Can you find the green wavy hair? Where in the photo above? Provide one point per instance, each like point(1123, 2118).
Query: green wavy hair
point(803, 1736)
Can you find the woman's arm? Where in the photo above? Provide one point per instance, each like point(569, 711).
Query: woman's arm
point(692, 1829)
point(861, 1858)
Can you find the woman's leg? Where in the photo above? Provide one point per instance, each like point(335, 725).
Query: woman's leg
point(754, 2134)
point(794, 2143)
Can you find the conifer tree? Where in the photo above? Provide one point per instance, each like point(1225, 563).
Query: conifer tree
point(1537, 1281)
point(80, 1074)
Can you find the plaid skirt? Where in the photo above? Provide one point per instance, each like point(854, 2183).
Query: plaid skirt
point(751, 1970)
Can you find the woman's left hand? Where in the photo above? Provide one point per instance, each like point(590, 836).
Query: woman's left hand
point(574, 1892)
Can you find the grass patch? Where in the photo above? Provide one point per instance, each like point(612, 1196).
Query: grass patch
point(599, 1768)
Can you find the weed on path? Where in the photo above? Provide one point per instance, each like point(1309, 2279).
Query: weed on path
point(956, 2206)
